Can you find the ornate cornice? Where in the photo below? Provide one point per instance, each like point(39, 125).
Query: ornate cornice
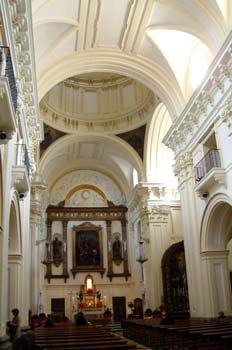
point(226, 114)
point(19, 12)
point(73, 118)
point(205, 102)
point(38, 199)
point(145, 194)
point(155, 214)
point(183, 167)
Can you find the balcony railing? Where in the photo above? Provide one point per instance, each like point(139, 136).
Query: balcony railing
point(209, 161)
point(22, 157)
point(6, 70)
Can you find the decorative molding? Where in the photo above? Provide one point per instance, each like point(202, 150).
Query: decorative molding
point(226, 114)
point(38, 200)
point(117, 120)
point(90, 178)
point(156, 214)
point(21, 23)
point(215, 175)
point(213, 92)
point(75, 214)
point(20, 179)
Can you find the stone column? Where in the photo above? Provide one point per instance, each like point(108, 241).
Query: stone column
point(37, 235)
point(191, 224)
point(156, 225)
point(216, 281)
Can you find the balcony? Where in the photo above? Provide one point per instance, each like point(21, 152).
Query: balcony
point(21, 170)
point(208, 171)
point(8, 95)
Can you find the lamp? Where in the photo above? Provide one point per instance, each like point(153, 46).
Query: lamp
point(141, 256)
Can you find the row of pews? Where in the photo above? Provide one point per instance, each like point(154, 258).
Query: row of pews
point(197, 334)
point(72, 337)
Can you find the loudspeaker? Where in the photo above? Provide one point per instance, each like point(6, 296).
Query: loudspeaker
point(2, 135)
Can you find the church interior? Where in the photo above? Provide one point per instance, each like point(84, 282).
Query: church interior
point(115, 158)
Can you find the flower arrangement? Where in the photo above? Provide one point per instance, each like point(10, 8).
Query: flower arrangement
point(89, 290)
point(159, 311)
point(99, 303)
point(81, 304)
point(148, 312)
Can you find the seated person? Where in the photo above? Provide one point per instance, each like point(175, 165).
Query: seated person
point(49, 322)
point(35, 321)
point(42, 318)
point(168, 318)
point(221, 314)
point(80, 319)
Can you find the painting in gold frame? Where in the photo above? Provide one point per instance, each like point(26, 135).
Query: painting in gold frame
point(87, 249)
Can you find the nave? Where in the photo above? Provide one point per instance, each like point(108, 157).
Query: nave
point(115, 160)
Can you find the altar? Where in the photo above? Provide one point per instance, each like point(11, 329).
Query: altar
point(90, 314)
point(90, 302)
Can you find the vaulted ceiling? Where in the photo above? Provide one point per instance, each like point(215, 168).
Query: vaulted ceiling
point(164, 45)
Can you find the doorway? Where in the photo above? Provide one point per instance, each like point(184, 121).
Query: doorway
point(58, 309)
point(119, 308)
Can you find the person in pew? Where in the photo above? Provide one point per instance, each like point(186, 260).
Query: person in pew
point(221, 315)
point(66, 320)
point(80, 319)
point(49, 322)
point(42, 318)
point(35, 321)
point(168, 318)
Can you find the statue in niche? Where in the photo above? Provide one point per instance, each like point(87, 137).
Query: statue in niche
point(117, 250)
point(57, 251)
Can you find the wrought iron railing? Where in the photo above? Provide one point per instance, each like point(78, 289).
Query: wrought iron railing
point(6, 69)
point(209, 161)
point(22, 157)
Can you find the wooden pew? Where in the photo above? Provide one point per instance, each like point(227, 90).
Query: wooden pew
point(80, 338)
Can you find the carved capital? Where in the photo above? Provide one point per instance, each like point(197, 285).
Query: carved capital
point(183, 167)
point(155, 214)
point(226, 114)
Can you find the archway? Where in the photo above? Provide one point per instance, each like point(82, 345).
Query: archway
point(216, 232)
point(14, 258)
point(175, 280)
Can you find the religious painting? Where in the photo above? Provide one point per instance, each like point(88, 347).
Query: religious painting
point(50, 135)
point(135, 138)
point(87, 248)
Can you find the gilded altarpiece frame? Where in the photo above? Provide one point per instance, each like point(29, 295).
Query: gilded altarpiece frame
point(106, 214)
point(87, 249)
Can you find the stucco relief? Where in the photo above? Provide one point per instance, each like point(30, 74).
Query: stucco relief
point(72, 180)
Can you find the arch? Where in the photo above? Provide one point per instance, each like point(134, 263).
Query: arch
point(85, 186)
point(139, 68)
point(131, 155)
point(216, 225)
point(15, 239)
point(158, 157)
point(15, 287)
point(175, 279)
